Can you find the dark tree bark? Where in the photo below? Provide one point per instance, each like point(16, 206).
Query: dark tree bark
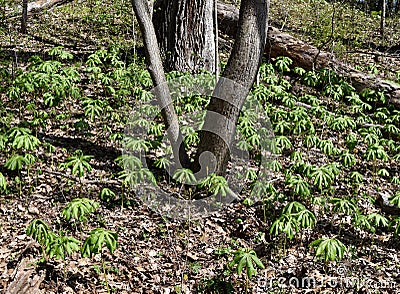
point(308, 56)
point(157, 74)
point(185, 32)
point(233, 87)
point(24, 16)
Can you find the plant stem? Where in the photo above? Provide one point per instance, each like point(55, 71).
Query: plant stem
point(247, 283)
point(284, 246)
point(122, 197)
point(80, 187)
point(65, 271)
point(103, 264)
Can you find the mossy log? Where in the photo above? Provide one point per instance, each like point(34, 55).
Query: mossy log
point(308, 56)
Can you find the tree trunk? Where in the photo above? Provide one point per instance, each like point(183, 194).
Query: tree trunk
point(390, 8)
point(232, 88)
point(24, 16)
point(237, 79)
point(157, 74)
point(185, 34)
point(383, 18)
point(309, 57)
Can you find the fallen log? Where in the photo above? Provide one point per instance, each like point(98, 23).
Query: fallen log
point(25, 279)
point(36, 7)
point(308, 56)
point(42, 4)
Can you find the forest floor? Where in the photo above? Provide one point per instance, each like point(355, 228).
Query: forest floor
point(156, 254)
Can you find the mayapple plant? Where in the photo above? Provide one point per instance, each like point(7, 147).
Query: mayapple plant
point(60, 246)
point(246, 258)
point(329, 249)
point(41, 232)
point(395, 199)
point(106, 194)
point(78, 163)
point(343, 205)
point(216, 185)
point(347, 158)
point(79, 208)
point(298, 186)
point(3, 183)
point(55, 246)
point(94, 245)
point(322, 177)
point(293, 217)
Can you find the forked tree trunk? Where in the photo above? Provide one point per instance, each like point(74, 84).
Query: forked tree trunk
point(157, 74)
point(185, 32)
point(233, 87)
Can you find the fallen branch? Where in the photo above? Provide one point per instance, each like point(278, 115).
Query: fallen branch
point(26, 279)
point(36, 7)
point(40, 5)
point(83, 181)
